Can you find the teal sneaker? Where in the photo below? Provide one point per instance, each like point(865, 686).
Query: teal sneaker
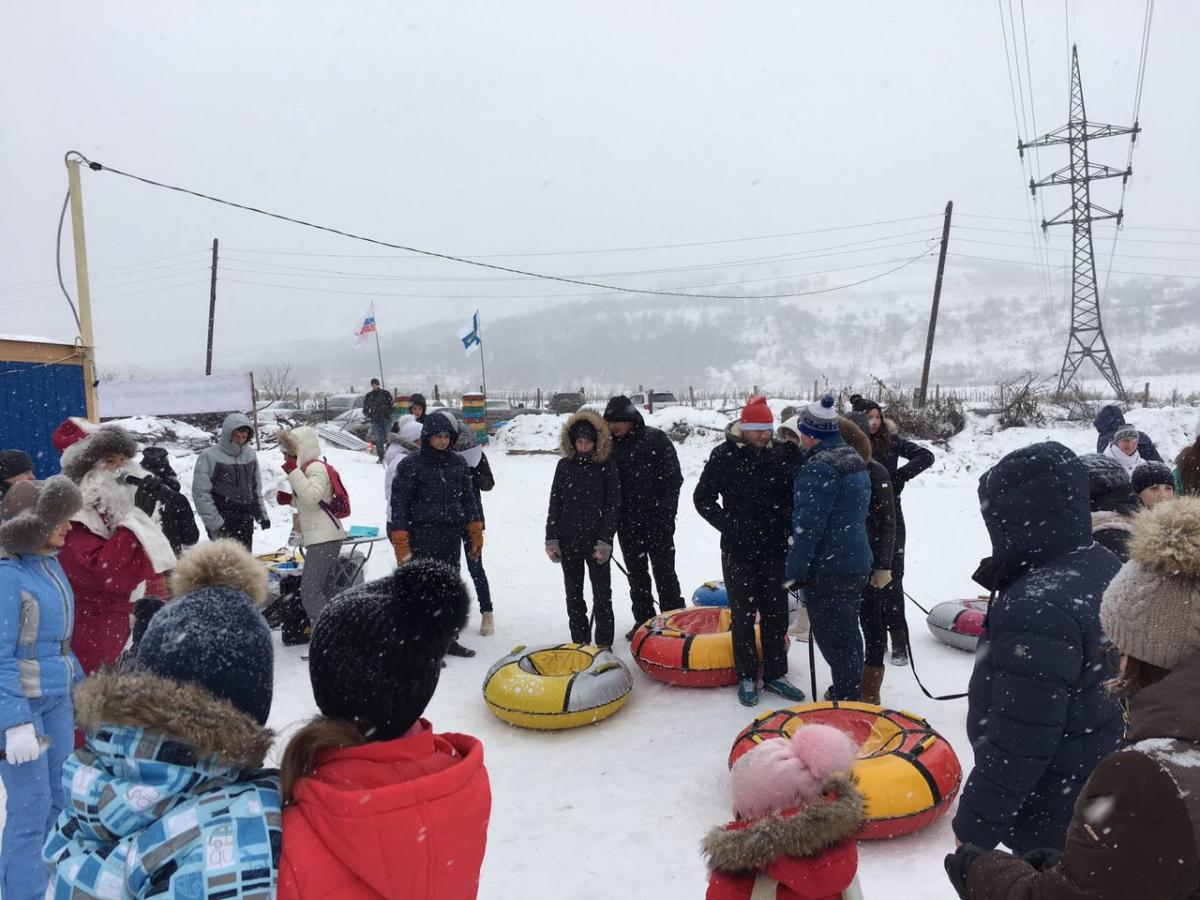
point(748, 692)
point(783, 688)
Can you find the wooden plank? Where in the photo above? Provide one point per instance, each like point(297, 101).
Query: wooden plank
point(37, 352)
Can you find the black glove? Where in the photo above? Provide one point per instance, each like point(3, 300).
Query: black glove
point(1042, 858)
point(146, 494)
point(958, 866)
point(265, 523)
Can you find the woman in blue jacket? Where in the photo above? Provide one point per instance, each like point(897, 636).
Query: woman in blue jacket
point(37, 672)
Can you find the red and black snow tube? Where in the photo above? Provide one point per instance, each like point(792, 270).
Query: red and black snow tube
point(691, 647)
point(958, 623)
point(907, 772)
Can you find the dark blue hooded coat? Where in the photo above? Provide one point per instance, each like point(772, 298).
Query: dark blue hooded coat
point(1108, 420)
point(1039, 718)
point(433, 487)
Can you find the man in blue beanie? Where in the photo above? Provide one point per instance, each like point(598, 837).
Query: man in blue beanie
point(830, 556)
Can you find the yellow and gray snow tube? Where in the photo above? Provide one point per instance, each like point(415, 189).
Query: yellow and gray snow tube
point(559, 686)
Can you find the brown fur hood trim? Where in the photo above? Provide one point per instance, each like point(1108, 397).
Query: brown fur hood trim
point(184, 712)
point(1166, 538)
point(1107, 519)
point(741, 847)
point(853, 435)
point(603, 436)
point(224, 563)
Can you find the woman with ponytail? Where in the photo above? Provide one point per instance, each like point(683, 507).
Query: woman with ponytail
point(376, 803)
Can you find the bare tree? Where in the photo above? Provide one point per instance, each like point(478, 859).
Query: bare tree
point(276, 381)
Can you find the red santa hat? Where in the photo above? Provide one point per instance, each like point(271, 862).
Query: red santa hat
point(72, 431)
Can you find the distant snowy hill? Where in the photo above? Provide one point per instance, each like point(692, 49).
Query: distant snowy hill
point(983, 336)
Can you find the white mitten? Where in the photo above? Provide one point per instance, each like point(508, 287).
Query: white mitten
point(21, 744)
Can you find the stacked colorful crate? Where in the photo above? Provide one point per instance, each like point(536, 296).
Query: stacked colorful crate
point(474, 414)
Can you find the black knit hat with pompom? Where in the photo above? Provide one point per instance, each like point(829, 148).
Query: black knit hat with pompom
point(376, 651)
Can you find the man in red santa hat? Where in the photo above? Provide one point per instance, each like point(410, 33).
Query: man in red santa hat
point(115, 546)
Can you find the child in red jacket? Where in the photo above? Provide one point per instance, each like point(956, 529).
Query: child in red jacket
point(797, 809)
point(376, 803)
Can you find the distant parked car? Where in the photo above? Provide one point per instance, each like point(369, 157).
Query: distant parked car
point(278, 411)
point(659, 399)
point(334, 407)
point(566, 402)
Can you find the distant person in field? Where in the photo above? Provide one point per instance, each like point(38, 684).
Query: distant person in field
point(889, 448)
point(1109, 421)
point(581, 522)
point(745, 492)
point(482, 480)
point(650, 483)
point(378, 406)
point(227, 484)
point(1153, 483)
point(1038, 715)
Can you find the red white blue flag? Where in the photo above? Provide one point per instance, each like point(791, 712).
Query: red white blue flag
point(368, 325)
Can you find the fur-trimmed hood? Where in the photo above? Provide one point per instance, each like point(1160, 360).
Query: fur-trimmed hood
point(83, 456)
point(1167, 538)
point(603, 436)
point(223, 563)
point(33, 509)
point(184, 712)
point(301, 443)
point(1106, 519)
point(855, 437)
point(746, 846)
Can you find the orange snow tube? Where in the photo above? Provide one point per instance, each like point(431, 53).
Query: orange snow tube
point(908, 773)
point(691, 647)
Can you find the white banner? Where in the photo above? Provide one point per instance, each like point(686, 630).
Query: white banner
point(175, 396)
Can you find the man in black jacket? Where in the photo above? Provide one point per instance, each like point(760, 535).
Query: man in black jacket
point(751, 479)
point(377, 410)
point(650, 481)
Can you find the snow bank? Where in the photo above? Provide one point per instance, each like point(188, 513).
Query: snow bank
point(155, 430)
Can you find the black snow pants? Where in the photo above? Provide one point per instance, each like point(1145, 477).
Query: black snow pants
point(756, 588)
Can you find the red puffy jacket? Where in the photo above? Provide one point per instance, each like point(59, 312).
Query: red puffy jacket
point(806, 853)
point(398, 819)
point(103, 572)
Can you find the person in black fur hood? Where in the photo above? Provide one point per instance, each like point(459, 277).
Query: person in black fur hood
point(585, 507)
point(178, 520)
point(650, 481)
point(889, 448)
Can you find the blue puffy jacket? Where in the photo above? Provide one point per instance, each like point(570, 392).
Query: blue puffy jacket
point(165, 799)
point(1039, 717)
point(37, 616)
point(831, 495)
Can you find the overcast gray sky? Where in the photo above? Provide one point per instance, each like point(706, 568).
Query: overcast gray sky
point(526, 127)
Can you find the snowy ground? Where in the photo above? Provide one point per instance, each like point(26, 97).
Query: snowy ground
point(619, 808)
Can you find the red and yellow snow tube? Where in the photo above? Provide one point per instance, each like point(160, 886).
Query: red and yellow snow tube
point(907, 772)
point(691, 647)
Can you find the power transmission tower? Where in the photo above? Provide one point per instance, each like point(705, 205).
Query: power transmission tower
point(1087, 340)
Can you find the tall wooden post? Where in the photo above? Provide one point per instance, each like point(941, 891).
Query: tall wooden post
point(212, 309)
point(83, 291)
point(937, 297)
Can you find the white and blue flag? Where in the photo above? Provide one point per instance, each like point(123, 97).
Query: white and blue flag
point(469, 337)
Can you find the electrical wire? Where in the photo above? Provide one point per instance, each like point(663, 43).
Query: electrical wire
point(99, 167)
point(902, 264)
point(1017, 262)
point(58, 260)
point(1147, 20)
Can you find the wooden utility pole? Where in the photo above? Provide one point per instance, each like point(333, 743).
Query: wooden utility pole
point(212, 310)
point(937, 297)
point(83, 291)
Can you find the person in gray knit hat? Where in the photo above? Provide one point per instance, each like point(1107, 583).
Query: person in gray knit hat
point(1140, 810)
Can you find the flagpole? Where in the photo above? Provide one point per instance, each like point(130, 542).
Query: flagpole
point(482, 368)
point(378, 352)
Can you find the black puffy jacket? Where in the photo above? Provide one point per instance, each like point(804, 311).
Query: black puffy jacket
point(754, 488)
point(432, 487)
point(650, 481)
point(1039, 718)
point(585, 498)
